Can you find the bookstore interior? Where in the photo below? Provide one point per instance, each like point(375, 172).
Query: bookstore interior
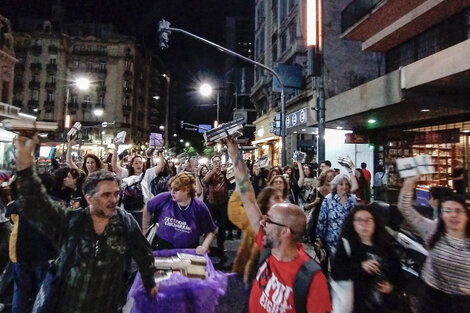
point(448, 145)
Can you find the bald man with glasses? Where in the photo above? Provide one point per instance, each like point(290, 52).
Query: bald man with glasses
point(279, 232)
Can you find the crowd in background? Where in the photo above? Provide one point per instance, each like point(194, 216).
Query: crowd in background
point(195, 203)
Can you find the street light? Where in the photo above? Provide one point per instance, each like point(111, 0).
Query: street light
point(206, 90)
point(81, 83)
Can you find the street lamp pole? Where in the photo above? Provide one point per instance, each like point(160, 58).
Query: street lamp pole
point(167, 108)
point(218, 107)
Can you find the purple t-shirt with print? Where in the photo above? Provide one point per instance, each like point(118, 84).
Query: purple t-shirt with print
point(181, 226)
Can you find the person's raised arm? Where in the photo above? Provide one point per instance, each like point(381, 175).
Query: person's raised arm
point(199, 188)
point(114, 161)
point(48, 216)
point(161, 165)
point(300, 182)
point(350, 167)
point(209, 174)
point(421, 225)
point(68, 155)
point(247, 193)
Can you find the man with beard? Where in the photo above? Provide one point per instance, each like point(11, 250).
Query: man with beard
point(94, 242)
point(280, 231)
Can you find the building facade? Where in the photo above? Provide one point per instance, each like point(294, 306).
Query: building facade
point(280, 36)
point(7, 61)
point(52, 58)
point(420, 104)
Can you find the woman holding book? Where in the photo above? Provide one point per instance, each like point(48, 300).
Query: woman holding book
point(182, 217)
point(446, 271)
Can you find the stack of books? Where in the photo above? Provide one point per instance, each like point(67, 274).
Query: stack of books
point(189, 265)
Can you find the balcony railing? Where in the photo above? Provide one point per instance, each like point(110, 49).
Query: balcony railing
point(90, 52)
point(35, 67)
point(19, 67)
point(49, 105)
point(36, 50)
point(52, 68)
point(127, 74)
point(126, 108)
point(127, 90)
point(53, 49)
point(101, 90)
point(100, 70)
point(129, 56)
point(34, 85)
point(50, 85)
point(34, 104)
point(356, 10)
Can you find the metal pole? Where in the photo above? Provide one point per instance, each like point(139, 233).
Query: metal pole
point(218, 108)
point(232, 53)
point(167, 109)
point(67, 95)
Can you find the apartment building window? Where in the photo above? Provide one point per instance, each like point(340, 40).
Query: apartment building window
point(292, 4)
point(283, 42)
point(259, 44)
point(101, 83)
point(292, 33)
point(101, 100)
point(89, 66)
point(76, 63)
point(282, 10)
point(126, 100)
point(274, 12)
point(74, 99)
point(35, 94)
point(260, 14)
point(50, 97)
point(52, 60)
point(274, 51)
point(35, 59)
point(127, 84)
point(51, 78)
point(128, 65)
point(102, 66)
point(35, 77)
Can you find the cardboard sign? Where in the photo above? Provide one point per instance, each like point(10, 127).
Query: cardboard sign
point(420, 164)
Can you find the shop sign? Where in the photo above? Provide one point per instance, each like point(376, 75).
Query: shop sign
point(356, 138)
point(297, 118)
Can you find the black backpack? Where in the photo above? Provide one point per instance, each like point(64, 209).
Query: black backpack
point(132, 196)
point(159, 184)
point(302, 281)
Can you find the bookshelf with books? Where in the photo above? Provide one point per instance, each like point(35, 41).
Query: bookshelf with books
point(442, 156)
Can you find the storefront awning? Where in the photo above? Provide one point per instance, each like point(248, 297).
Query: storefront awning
point(262, 140)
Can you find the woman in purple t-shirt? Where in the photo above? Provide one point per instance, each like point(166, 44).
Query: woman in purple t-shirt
point(182, 217)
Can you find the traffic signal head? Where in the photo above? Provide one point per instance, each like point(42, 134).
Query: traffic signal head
point(163, 34)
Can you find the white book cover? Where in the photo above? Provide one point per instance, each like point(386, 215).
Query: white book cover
point(120, 137)
point(417, 165)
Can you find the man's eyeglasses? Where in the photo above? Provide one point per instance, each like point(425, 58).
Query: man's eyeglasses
point(268, 220)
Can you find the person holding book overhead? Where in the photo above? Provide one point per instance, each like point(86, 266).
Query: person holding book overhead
point(446, 271)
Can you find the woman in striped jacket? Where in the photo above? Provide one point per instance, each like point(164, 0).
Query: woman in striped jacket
point(446, 272)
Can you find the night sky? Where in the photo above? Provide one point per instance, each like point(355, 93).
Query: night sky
point(188, 61)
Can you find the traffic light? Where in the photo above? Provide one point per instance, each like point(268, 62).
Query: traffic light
point(163, 34)
point(182, 124)
point(275, 126)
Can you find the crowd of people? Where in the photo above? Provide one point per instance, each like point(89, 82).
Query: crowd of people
point(94, 218)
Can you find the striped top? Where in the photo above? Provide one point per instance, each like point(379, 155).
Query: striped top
point(447, 268)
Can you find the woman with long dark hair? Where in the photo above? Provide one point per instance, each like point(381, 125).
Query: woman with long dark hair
point(67, 185)
point(91, 163)
point(280, 183)
point(446, 271)
point(363, 193)
point(364, 255)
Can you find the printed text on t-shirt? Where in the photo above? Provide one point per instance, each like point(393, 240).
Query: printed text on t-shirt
point(177, 224)
point(275, 294)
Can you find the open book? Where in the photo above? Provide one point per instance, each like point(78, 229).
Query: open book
point(417, 165)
